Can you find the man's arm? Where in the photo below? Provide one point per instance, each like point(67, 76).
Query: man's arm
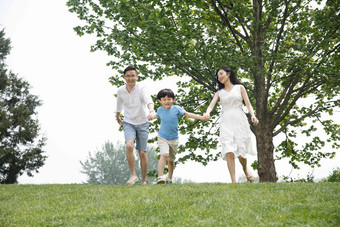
point(119, 120)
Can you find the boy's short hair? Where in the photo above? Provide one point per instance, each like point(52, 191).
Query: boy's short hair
point(130, 68)
point(165, 92)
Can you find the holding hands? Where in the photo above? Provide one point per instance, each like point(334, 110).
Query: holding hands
point(206, 116)
point(152, 115)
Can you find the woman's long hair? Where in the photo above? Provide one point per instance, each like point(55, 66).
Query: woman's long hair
point(233, 78)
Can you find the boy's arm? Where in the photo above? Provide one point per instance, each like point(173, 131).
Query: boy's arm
point(194, 116)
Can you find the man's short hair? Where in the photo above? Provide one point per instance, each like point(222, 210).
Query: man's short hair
point(130, 68)
point(165, 92)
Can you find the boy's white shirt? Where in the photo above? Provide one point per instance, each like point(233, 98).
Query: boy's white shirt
point(134, 103)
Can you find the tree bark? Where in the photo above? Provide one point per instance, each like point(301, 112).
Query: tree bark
point(265, 154)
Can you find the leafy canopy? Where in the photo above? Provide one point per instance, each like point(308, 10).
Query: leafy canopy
point(285, 52)
point(21, 146)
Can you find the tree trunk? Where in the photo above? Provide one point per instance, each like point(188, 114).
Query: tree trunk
point(12, 175)
point(265, 156)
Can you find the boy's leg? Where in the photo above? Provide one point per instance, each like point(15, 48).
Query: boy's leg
point(171, 165)
point(161, 164)
point(142, 134)
point(173, 144)
point(164, 152)
point(231, 166)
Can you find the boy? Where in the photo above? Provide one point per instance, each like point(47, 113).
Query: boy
point(133, 98)
point(168, 132)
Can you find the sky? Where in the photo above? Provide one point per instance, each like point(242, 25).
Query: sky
point(77, 115)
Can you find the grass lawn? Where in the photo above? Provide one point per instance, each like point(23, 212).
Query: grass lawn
point(208, 204)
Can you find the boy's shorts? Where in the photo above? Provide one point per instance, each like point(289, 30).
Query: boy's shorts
point(139, 133)
point(168, 147)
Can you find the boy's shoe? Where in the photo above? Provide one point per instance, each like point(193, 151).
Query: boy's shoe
point(168, 181)
point(161, 180)
point(132, 180)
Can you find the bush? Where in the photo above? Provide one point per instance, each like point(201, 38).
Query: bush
point(335, 176)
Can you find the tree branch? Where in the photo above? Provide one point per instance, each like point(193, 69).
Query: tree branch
point(301, 93)
point(283, 127)
point(234, 32)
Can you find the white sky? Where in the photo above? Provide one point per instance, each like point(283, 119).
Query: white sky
point(77, 115)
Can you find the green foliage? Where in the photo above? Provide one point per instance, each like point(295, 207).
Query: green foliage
point(334, 176)
point(109, 165)
point(285, 52)
point(21, 146)
point(245, 204)
point(309, 179)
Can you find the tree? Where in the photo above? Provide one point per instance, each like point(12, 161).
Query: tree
point(285, 52)
point(21, 146)
point(109, 165)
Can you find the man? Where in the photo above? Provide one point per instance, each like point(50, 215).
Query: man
point(134, 98)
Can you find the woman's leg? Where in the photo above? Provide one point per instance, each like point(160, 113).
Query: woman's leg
point(246, 171)
point(231, 166)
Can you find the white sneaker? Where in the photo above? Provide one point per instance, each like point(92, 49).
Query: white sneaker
point(161, 180)
point(132, 180)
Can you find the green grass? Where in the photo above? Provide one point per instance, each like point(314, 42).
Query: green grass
point(243, 204)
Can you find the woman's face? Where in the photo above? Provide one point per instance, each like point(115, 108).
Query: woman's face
point(223, 76)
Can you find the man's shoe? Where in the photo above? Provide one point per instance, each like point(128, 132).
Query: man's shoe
point(161, 180)
point(132, 180)
point(168, 181)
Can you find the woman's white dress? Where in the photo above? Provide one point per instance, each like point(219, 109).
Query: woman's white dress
point(235, 133)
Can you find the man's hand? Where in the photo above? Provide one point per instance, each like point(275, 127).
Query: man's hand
point(119, 120)
point(151, 116)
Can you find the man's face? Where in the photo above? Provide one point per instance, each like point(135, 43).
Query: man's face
point(166, 102)
point(131, 77)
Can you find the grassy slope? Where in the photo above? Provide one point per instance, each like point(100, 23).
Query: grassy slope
point(266, 204)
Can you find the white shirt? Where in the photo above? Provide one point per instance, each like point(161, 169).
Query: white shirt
point(133, 103)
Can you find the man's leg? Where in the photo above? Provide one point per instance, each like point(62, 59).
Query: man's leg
point(142, 133)
point(143, 164)
point(130, 135)
point(130, 156)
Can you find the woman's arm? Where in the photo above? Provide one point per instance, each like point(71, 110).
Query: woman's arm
point(249, 107)
point(211, 106)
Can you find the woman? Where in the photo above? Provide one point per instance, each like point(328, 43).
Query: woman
point(235, 133)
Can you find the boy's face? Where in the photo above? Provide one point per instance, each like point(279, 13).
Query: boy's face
point(131, 77)
point(166, 102)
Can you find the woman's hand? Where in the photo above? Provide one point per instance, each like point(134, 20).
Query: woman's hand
point(206, 117)
point(254, 120)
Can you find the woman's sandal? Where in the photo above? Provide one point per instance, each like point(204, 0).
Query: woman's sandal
point(250, 178)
